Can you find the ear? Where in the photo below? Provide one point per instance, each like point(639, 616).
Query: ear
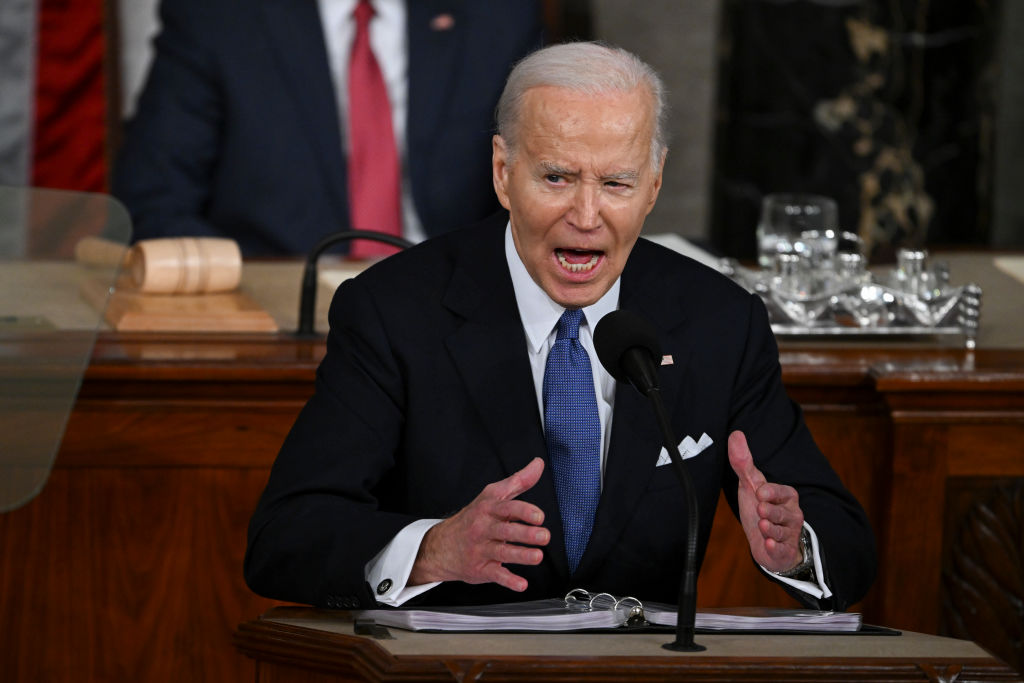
point(656, 185)
point(500, 169)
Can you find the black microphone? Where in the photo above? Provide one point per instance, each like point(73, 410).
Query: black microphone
point(628, 348)
point(307, 297)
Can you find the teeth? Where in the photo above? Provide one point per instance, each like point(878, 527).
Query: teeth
point(577, 267)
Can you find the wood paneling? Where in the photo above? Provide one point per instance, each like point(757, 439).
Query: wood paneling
point(1001, 445)
point(177, 433)
point(129, 574)
point(983, 566)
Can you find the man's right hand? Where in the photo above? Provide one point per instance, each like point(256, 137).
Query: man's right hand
point(494, 530)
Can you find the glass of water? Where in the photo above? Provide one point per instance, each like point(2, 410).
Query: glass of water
point(785, 217)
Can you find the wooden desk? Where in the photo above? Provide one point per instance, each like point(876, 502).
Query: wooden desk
point(128, 564)
point(302, 645)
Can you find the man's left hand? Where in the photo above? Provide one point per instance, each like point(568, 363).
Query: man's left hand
point(770, 513)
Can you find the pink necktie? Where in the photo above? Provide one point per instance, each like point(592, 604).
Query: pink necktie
point(374, 177)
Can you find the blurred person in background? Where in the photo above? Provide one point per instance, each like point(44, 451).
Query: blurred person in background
point(250, 124)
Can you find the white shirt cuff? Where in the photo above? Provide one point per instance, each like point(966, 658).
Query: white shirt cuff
point(817, 588)
point(388, 572)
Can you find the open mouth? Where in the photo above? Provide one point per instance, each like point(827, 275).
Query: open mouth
point(578, 260)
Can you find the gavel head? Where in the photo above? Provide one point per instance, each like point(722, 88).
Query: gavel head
point(185, 265)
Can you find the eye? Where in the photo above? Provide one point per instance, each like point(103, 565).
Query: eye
point(553, 178)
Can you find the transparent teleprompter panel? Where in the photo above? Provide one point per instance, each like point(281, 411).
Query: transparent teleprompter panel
point(51, 308)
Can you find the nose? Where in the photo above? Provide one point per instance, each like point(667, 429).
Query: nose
point(585, 213)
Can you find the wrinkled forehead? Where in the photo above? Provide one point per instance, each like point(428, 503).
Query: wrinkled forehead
point(552, 111)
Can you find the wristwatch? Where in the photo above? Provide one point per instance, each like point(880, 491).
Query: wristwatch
point(806, 566)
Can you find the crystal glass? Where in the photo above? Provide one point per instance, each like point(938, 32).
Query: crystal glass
point(784, 217)
point(851, 269)
point(796, 289)
point(791, 275)
point(911, 264)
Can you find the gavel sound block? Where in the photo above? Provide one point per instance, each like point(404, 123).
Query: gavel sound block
point(179, 284)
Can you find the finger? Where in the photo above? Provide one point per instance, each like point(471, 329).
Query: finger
point(742, 462)
point(782, 555)
point(503, 577)
point(778, 494)
point(783, 536)
point(518, 510)
point(783, 515)
point(772, 513)
point(775, 532)
point(520, 481)
point(512, 532)
point(509, 553)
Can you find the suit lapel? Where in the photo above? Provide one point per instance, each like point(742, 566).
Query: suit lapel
point(295, 34)
point(489, 350)
point(636, 437)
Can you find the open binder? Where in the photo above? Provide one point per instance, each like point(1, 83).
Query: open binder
point(581, 610)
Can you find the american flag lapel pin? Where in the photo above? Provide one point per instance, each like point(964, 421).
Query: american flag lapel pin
point(442, 22)
point(666, 359)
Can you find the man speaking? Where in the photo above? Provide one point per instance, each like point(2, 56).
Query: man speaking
point(463, 444)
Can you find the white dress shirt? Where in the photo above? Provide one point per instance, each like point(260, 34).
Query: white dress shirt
point(540, 322)
point(390, 46)
point(392, 566)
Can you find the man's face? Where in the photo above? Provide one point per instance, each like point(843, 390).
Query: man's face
point(578, 187)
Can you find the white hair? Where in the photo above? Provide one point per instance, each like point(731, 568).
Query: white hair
point(590, 68)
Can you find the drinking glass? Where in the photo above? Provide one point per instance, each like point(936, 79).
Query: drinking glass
point(797, 290)
point(785, 217)
point(851, 270)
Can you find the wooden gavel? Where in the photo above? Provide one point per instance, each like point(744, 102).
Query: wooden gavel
point(170, 265)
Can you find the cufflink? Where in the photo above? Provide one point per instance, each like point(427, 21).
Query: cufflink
point(384, 586)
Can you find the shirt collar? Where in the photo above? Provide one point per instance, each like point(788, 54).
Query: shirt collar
point(537, 310)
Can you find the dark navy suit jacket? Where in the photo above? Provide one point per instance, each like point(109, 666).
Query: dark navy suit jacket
point(237, 131)
point(425, 396)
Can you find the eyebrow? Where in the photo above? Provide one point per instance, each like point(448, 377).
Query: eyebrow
point(556, 169)
point(622, 175)
point(561, 170)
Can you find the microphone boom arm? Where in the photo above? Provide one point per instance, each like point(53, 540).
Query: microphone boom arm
point(307, 298)
point(628, 348)
point(687, 614)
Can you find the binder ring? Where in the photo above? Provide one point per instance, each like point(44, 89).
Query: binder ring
point(628, 601)
point(578, 599)
point(582, 600)
point(635, 616)
point(608, 598)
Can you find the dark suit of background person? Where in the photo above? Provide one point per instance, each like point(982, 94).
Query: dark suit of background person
point(425, 396)
point(237, 133)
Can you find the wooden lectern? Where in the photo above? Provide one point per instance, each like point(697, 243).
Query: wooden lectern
point(300, 644)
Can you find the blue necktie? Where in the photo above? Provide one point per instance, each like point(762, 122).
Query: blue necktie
point(572, 430)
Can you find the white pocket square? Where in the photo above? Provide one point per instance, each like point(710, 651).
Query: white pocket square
point(687, 448)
